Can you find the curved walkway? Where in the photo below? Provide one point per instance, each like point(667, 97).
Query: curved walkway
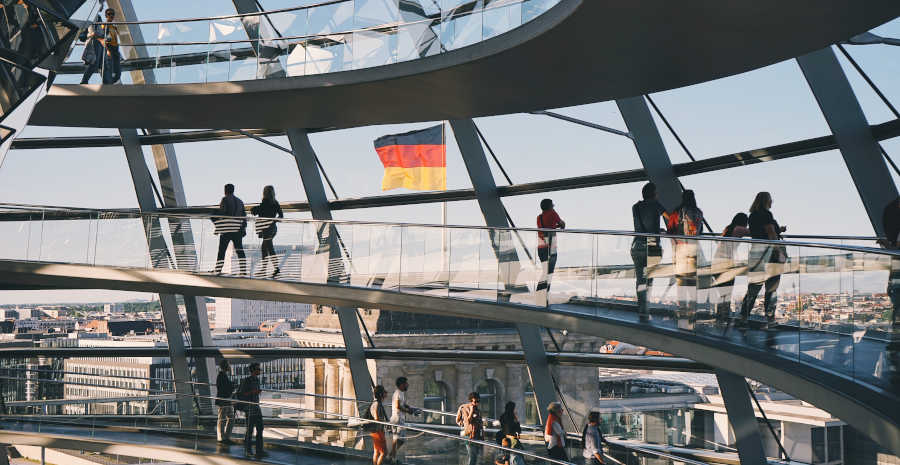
point(872, 410)
point(578, 52)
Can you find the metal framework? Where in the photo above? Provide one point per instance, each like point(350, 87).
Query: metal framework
point(305, 156)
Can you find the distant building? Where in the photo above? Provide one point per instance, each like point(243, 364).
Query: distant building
point(121, 327)
point(249, 314)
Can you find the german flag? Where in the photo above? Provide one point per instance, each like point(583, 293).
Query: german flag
point(415, 160)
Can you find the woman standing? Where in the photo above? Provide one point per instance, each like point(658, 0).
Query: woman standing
point(686, 220)
point(764, 260)
point(723, 266)
point(266, 229)
point(509, 424)
point(554, 434)
point(376, 411)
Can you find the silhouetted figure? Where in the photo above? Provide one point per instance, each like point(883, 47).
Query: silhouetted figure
point(224, 391)
point(376, 430)
point(249, 392)
point(548, 219)
point(468, 417)
point(509, 423)
point(723, 266)
point(231, 230)
point(764, 261)
point(891, 220)
point(102, 50)
point(266, 229)
point(645, 251)
point(686, 220)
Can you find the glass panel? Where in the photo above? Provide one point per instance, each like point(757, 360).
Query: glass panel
point(18, 84)
point(326, 19)
point(329, 54)
point(501, 16)
point(533, 8)
point(243, 66)
point(219, 63)
point(418, 40)
point(271, 54)
point(121, 241)
point(374, 48)
point(376, 12)
point(875, 357)
point(827, 293)
point(291, 24)
point(190, 63)
point(459, 30)
point(295, 59)
point(15, 234)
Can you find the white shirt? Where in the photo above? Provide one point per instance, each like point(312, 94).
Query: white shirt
point(397, 401)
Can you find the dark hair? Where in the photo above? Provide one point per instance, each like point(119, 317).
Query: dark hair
point(110, 10)
point(739, 220)
point(401, 380)
point(474, 395)
point(648, 191)
point(268, 195)
point(594, 417)
point(546, 204)
point(223, 364)
point(379, 392)
point(229, 188)
point(509, 409)
point(761, 202)
point(688, 200)
point(254, 366)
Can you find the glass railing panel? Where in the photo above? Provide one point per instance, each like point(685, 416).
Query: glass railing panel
point(178, 33)
point(121, 241)
point(243, 64)
point(461, 29)
point(473, 266)
point(293, 58)
point(190, 63)
point(374, 48)
point(826, 300)
point(659, 273)
point(418, 40)
point(164, 65)
point(218, 67)
point(368, 13)
point(533, 8)
point(314, 263)
point(226, 29)
point(272, 55)
point(329, 54)
point(501, 16)
point(875, 331)
point(387, 267)
point(18, 232)
point(333, 18)
point(66, 241)
point(288, 24)
point(424, 260)
point(568, 265)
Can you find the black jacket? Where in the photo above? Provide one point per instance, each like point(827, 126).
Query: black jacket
point(269, 209)
point(224, 389)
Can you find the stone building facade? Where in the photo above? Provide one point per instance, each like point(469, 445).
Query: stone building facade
point(442, 385)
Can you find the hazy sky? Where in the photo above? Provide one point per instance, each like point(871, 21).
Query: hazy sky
point(813, 194)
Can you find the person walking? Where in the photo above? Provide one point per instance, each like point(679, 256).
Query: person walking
point(891, 220)
point(102, 49)
point(399, 409)
point(224, 391)
point(592, 440)
point(554, 434)
point(646, 251)
point(266, 229)
point(468, 417)
point(249, 392)
point(509, 423)
point(686, 220)
point(376, 411)
point(764, 261)
point(231, 230)
point(723, 266)
point(548, 219)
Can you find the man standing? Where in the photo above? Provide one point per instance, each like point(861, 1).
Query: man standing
point(224, 391)
point(249, 392)
point(645, 251)
point(102, 49)
point(231, 229)
point(399, 409)
point(468, 417)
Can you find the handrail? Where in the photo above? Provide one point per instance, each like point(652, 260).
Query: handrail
point(216, 18)
point(210, 216)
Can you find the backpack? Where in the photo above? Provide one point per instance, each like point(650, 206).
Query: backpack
point(369, 424)
point(243, 396)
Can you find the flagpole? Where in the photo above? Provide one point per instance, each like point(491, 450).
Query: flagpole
point(444, 239)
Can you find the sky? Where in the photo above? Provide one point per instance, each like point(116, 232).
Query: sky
point(813, 194)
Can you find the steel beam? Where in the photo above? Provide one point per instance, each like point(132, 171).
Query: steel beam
point(252, 25)
point(854, 138)
point(305, 156)
point(143, 188)
point(743, 421)
point(173, 196)
point(651, 150)
point(495, 216)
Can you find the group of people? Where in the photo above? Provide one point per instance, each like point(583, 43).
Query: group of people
point(101, 49)
point(687, 220)
point(377, 430)
point(244, 398)
point(232, 231)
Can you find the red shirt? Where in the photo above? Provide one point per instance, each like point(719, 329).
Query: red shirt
point(548, 219)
